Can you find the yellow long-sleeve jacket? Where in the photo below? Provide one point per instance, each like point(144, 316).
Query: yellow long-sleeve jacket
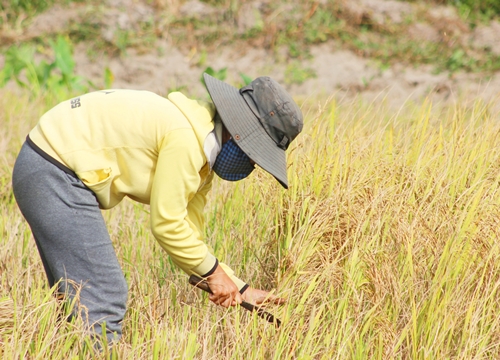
point(148, 148)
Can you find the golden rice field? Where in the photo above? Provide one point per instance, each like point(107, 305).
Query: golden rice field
point(386, 246)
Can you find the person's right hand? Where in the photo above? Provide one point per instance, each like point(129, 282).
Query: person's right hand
point(224, 291)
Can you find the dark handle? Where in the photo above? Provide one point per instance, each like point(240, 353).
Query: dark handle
point(203, 285)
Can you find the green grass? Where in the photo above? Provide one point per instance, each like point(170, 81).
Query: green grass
point(385, 245)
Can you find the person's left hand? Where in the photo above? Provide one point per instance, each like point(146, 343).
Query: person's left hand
point(261, 297)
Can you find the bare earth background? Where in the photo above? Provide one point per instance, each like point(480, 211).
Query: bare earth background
point(339, 72)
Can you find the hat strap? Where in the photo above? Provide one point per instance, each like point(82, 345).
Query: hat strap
point(247, 96)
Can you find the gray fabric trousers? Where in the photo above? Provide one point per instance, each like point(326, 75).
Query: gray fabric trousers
point(72, 239)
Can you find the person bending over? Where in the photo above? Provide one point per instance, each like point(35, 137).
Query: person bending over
point(88, 153)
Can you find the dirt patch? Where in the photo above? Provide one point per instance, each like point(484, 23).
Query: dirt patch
point(337, 71)
point(382, 11)
point(487, 37)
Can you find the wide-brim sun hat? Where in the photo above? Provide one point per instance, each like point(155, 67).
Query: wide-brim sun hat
point(262, 119)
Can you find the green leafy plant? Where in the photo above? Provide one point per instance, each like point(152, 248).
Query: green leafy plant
point(458, 60)
point(58, 74)
point(222, 75)
point(218, 74)
point(246, 79)
point(109, 78)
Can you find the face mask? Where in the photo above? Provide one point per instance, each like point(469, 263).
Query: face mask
point(232, 163)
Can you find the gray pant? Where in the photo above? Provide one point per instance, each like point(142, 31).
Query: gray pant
point(72, 240)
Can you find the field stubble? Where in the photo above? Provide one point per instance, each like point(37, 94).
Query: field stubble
point(385, 246)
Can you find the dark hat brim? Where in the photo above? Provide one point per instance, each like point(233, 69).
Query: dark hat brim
point(246, 129)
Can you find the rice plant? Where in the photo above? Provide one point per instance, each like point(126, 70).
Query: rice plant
point(385, 247)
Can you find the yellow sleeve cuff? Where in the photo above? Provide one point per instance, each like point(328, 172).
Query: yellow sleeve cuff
point(230, 272)
point(206, 265)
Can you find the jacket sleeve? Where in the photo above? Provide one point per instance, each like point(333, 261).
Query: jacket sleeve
point(175, 184)
point(197, 220)
point(177, 204)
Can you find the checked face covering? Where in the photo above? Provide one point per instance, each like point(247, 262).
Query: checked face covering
point(232, 163)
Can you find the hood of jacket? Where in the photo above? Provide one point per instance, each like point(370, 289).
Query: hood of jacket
point(200, 114)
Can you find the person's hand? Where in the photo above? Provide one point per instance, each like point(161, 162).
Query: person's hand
point(224, 291)
point(261, 297)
